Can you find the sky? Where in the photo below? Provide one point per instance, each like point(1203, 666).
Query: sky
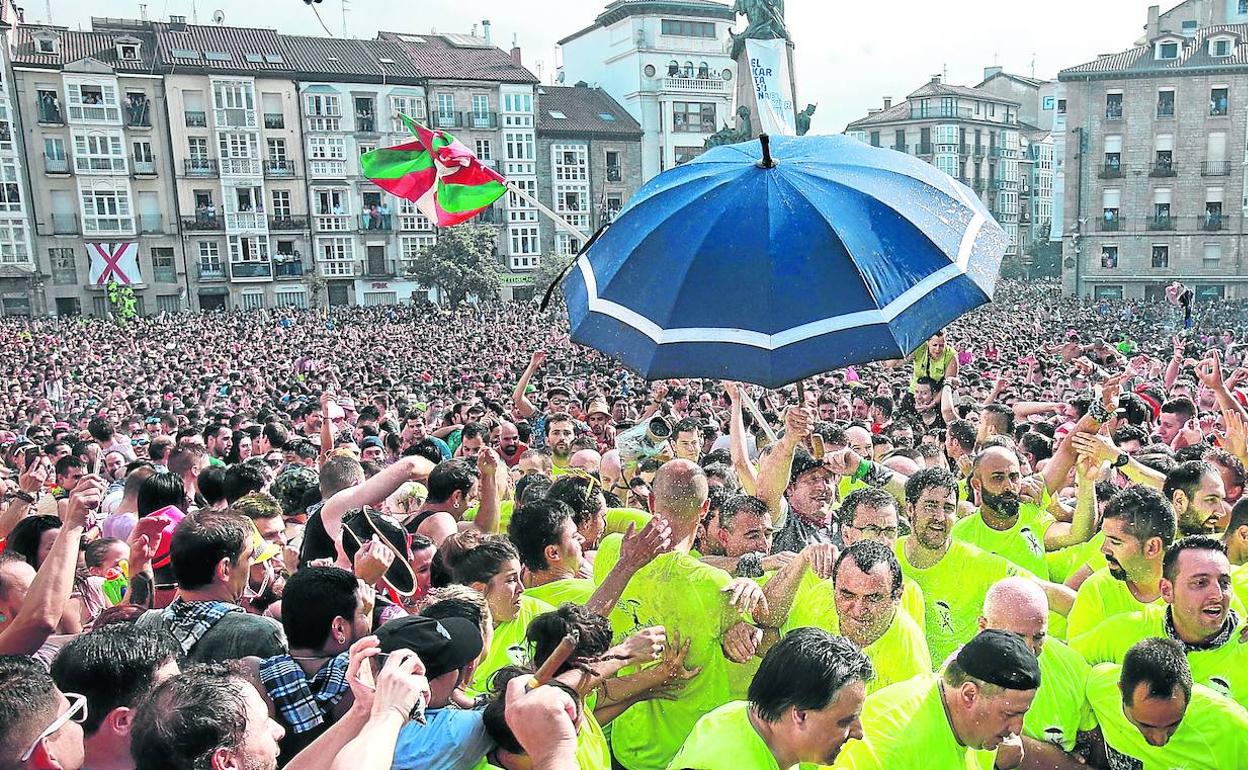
point(848, 56)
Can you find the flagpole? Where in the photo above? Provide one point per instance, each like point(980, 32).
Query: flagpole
point(558, 220)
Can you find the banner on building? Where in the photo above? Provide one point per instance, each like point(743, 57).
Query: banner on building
point(114, 262)
point(773, 86)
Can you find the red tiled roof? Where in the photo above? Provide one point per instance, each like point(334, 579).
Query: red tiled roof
point(436, 58)
point(73, 46)
point(582, 108)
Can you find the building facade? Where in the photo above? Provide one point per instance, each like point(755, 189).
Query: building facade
point(668, 63)
point(591, 152)
point(971, 135)
point(1154, 183)
point(22, 278)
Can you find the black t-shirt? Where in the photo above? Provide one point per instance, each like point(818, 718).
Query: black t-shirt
point(317, 544)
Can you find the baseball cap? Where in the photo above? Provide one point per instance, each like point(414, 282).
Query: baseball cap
point(558, 390)
point(444, 645)
point(371, 441)
point(1000, 658)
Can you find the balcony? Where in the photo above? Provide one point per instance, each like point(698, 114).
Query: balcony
point(333, 223)
point(94, 113)
point(287, 266)
point(695, 85)
point(235, 117)
point(481, 120)
point(214, 271)
point(50, 113)
point(614, 174)
point(245, 220)
point(150, 224)
point(1111, 171)
point(144, 167)
point(195, 118)
point(1212, 222)
point(448, 119)
point(288, 224)
point(202, 223)
point(200, 167)
point(279, 168)
point(918, 113)
point(1112, 225)
point(1160, 222)
point(1113, 112)
point(335, 168)
point(65, 224)
point(248, 167)
point(139, 115)
point(1219, 108)
point(383, 223)
point(979, 151)
point(1215, 168)
point(924, 148)
point(381, 268)
point(55, 165)
point(274, 120)
point(1162, 169)
point(250, 270)
point(366, 123)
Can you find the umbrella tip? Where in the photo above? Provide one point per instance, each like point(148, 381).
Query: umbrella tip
point(766, 162)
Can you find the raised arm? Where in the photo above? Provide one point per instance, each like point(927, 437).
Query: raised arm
point(520, 402)
point(1088, 471)
point(49, 592)
point(777, 465)
point(372, 491)
point(488, 512)
point(737, 444)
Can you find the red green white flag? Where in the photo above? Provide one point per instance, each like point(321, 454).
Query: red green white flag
point(437, 172)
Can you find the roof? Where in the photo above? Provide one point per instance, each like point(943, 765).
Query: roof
point(622, 9)
point(220, 48)
point(1030, 82)
point(584, 109)
point(436, 56)
point(1193, 55)
point(930, 89)
point(357, 60)
point(75, 46)
point(891, 115)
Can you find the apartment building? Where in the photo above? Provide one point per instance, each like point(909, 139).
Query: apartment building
point(22, 277)
point(96, 145)
point(669, 63)
point(969, 134)
point(591, 152)
point(1154, 184)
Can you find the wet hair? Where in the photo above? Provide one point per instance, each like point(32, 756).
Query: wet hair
point(1186, 477)
point(450, 477)
point(868, 497)
point(481, 562)
point(202, 540)
point(1158, 663)
point(112, 666)
point(930, 478)
point(187, 718)
point(1170, 562)
point(866, 555)
point(535, 526)
point(807, 669)
point(1144, 512)
point(24, 539)
point(314, 596)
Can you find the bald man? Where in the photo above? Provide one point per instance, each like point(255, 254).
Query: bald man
point(587, 460)
point(648, 735)
point(1060, 711)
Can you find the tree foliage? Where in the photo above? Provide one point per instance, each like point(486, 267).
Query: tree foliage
point(460, 263)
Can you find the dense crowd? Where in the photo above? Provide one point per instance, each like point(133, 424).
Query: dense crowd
point(419, 537)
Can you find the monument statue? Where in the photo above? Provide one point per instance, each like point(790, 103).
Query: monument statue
point(726, 135)
point(803, 119)
point(765, 21)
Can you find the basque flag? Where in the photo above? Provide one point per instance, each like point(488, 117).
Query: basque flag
point(114, 262)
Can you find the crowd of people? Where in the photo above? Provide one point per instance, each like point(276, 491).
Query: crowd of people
point(419, 537)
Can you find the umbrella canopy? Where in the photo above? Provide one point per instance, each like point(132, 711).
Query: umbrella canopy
point(840, 253)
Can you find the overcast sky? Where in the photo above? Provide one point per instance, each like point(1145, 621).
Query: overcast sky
point(848, 55)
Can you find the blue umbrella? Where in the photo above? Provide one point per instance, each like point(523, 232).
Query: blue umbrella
point(836, 253)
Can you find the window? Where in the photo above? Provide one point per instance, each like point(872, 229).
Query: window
point(288, 297)
point(163, 270)
point(13, 246)
point(324, 112)
point(47, 45)
point(281, 204)
point(1212, 256)
point(1221, 48)
point(197, 148)
point(234, 102)
point(1061, 106)
point(106, 211)
point(142, 151)
point(1113, 155)
point(237, 145)
point(1168, 50)
point(1161, 257)
point(99, 152)
point(64, 266)
point(411, 106)
point(335, 254)
point(673, 69)
point(1218, 101)
point(480, 106)
point(365, 114)
point(1165, 103)
point(1109, 257)
point(518, 103)
point(168, 303)
point(1213, 208)
point(277, 152)
point(92, 103)
point(524, 240)
point(446, 108)
point(682, 28)
point(411, 247)
point(1243, 6)
point(327, 148)
point(693, 117)
point(1163, 156)
point(519, 146)
point(249, 249)
point(210, 258)
point(1113, 106)
point(1162, 199)
point(875, 138)
point(54, 148)
point(686, 154)
point(484, 151)
point(251, 300)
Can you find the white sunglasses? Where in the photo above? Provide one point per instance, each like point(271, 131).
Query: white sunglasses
point(77, 712)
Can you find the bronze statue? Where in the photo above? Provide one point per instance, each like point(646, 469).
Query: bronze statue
point(765, 21)
point(803, 119)
point(726, 135)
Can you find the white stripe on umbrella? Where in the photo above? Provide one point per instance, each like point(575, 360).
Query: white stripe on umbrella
point(806, 331)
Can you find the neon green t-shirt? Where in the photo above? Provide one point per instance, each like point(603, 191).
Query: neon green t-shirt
point(905, 728)
point(1101, 597)
point(1022, 543)
point(954, 590)
point(680, 593)
point(725, 740)
point(1222, 669)
point(1065, 562)
point(1212, 736)
point(1239, 583)
point(555, 593)
point(1060, 711)
point(505, 509)
point(618, 520)
point(899, 654)
point(508, 647)
point(593, 751)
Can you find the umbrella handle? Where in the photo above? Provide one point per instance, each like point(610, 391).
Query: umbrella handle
point(766, 162)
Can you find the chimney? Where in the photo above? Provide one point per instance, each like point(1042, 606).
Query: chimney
point(888, 102)
point(177, 23)
point(1154, 21)
point(485, 30)
point(515, 51)
point(936, 79)
point(993, 70)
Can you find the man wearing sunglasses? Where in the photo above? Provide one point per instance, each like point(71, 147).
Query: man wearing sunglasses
point(40, 727)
